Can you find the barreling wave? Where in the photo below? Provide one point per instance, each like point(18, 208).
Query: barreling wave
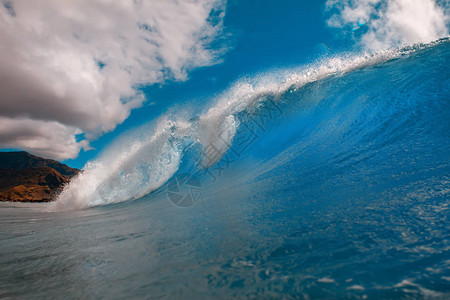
point(145, 160)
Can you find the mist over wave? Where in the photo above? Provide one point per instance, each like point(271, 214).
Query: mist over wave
point(143, 161)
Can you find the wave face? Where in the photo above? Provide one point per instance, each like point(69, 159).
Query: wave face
point(349, 109)
point(330, 181)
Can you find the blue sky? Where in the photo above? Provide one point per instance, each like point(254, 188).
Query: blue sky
point(75, 75)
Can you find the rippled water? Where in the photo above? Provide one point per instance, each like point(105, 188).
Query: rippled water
point(344, 193)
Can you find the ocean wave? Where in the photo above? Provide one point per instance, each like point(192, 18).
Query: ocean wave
point(143, 161)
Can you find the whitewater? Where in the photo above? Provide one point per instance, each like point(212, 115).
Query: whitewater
point(333, 179)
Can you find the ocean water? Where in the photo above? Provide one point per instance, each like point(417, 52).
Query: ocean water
point(327, 181)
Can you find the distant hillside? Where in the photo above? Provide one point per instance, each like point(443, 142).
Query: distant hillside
point(22, 160)
point(28, 178)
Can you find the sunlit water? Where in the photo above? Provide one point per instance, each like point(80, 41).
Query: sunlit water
point(342, 192)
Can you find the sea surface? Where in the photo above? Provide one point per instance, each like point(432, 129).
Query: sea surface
point(329, 181)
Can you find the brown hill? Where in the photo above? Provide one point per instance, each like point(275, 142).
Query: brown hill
point(22, 160)
point(28, 178)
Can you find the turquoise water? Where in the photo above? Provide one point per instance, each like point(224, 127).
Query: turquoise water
point(335, 188)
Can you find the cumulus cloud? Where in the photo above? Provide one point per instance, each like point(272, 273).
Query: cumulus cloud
point(50, 139)
point(73, 68)
point(391, 23)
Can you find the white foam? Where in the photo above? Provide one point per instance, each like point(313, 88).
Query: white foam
point(356, 287)
point(326, 280)
point(127, 170)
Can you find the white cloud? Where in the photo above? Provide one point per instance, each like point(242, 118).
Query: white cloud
point(72, 67)
point(50, 139)
point(392, 23)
